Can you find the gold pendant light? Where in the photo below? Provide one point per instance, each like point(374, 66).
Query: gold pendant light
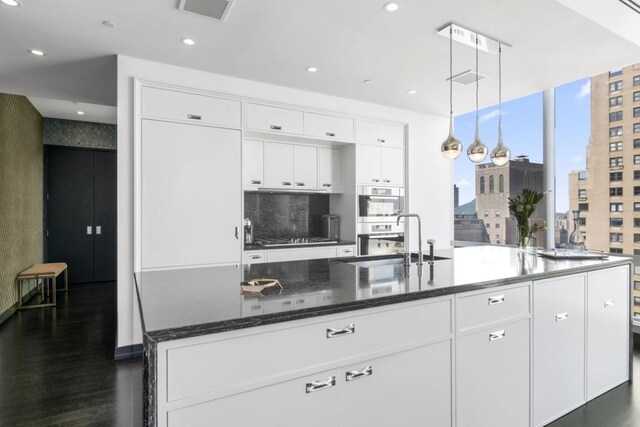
point(500, 155)
point(451, 147)
point(477, 151)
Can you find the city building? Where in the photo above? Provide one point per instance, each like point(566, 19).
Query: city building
point(562, 229)
point(607, 193)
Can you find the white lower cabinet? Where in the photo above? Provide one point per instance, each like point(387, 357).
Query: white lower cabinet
point(298, 254)
point(492, 386)
point(558, 356)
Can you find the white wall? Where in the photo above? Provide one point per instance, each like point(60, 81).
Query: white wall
point(430, 186)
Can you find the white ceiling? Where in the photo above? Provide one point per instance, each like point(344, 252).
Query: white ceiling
point(68, 110)
point(275, 40)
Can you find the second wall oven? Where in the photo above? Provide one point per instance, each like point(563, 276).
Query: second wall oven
point(380, 204)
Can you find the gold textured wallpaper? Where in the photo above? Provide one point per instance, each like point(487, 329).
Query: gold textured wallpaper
point(21, 184)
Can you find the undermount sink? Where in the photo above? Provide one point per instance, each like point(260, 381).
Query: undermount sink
point(372, 261)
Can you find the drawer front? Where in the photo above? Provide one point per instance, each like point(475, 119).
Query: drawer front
point(346, 251)
point(274, 119)
point(494, 306)
point(280, 255)
point(173, 105)
point(209, 367)
point(380, 134)
point(326, 126)
point(255, 257)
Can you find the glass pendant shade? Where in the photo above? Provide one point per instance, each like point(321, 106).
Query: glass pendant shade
point(477, 151)
point(451, 147)
point(500, 155)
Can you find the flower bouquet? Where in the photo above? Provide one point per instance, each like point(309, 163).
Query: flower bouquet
point(521, 208)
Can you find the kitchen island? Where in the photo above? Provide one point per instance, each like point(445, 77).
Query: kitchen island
point(483, 336)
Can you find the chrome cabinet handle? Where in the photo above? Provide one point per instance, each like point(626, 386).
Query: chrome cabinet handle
point(386, 180)
point(194, 117)
point(326, 185)
point(288, 302)
point(330, 134)
point(237, 233)
point(89, 229)
point(333, 333)
point(300, 184)
point(300, 301)
point(496, 335)
point(608, 303)
point(355, 375)
point(286, 183)
point(276, 127)
point(498, 299)
point(256, 181)
point(320, 385)
point(98, 229)
point(375, 180)
point(382, 141)
point(255, 257)
point(562, 316)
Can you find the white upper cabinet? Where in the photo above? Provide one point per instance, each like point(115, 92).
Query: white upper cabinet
point(274, 119)
point(327, 126)
point(173, 105)
point(380, 134)
point(330, 169)
point(252, 163)
point(305, 167)
point(369, 162)
point(392, 168)
point(279, 165)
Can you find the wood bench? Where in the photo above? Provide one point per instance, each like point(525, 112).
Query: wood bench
point(45, 276)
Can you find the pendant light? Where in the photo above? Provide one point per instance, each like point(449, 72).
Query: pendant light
point(500, 155)
point(477, 151)
point(451, 147)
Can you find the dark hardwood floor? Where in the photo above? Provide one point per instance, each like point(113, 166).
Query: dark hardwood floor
point(57, 369)
point(57, 366)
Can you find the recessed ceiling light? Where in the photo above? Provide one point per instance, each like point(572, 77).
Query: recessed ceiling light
point(109, 24)
point(412, 92)
point(312, 69)
point(188, 41)
point(366, 81)
point(81, 113)
point(391, 6)
point(12, 3)
point(36, 52)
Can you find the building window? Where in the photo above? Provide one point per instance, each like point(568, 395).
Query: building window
point(615, 131)
point(497, 214)
point(636, 238)
point(582, 221)
point(482, 185)
point(636, 191)
point(497, 237)
point(583, 207)
point(615, 146)
point(582, 176)
point(501, 183)
point(636, 80)
point(636, 252)
point(615, 207)
point(615, 101)
point(636, 300)
point(487, 225)
point(615, 176)
point(486, 214)
point(497, 242)
point(614, 86)
point(636, 222)
point(636, 206)
point(636, 284)
point(615, 161)
point(636, 96)
point(498, 225)
point(636, 128)
point(636, 143)
point(491, 184)
point(582, 194)
point(636, 112)
point(615, 191)
point(615, 116)
point(636, 174)
point(614, 73)
point(616, 237)
point(615, 250)
point(615, 222)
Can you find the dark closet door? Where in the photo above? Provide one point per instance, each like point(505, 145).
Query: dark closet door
point(105, 193)
point(70, 211)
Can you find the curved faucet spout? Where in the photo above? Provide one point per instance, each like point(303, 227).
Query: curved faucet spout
point(406, 248)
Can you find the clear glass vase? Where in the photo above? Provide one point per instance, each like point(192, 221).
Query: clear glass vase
point(526, 242)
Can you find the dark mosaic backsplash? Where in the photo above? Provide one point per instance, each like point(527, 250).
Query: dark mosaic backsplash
point(72, 133)
point(286, 215)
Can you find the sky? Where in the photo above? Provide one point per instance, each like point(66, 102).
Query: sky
point(522, 134)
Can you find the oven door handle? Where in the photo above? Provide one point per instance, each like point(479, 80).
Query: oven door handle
point(382, 197)
point(382, 236)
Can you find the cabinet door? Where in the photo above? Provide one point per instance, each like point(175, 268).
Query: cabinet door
point(281, 255)
point(274, 119)
point(558, 354)
point(380, 134)
point(326, 126)
point(493, 377)
point(305, 167)
point(253, 163)
point(291, 403)
point(368, 163)
point(279, 165)
point(608, 329)
point(411, 388)
point(392, 166)
point(330, 169)
point(191, 195)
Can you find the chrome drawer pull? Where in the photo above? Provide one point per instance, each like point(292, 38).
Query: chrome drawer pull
point(562, 316)
point(276, 127)
point(255, 257)
point(386, 180)
point(320, 385)
point(375, 180)
point(498, 299)
point(333, 333)
point(326, 185)
point(355, 375)
point(330, 134)
point(608, 303)
point(256, 181)
point(194, 117)
point(300, 184)
point(286, 183)
point(381, 140)
point(496, 335)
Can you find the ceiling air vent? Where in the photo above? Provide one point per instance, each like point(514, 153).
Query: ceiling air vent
point(217, 9)
point(631, 4)
point(467, 77)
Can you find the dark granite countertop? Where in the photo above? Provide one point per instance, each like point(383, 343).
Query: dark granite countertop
point(306, 245)
point(191, 302)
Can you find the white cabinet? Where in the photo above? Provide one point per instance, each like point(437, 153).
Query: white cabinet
point(380, 134)
point(379, 165)
point(492, 386)
point(346, 251)
point(254, 257)
point(252, 164)
point(558, 356)
point(418, 381)
point(305, 167)
point(279, 165)
point(328, 126)
point(297, 254)
point(392, 168)
point(608, 329)
point(330, 169)
point(274, 119)
point(186, 171)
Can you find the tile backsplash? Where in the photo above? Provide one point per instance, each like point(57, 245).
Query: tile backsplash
point(279, 215)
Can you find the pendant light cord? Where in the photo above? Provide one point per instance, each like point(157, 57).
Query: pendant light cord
point(476, 85)
point(451, 69)
point(500, 85)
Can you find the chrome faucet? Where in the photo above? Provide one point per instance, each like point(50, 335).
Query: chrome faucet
point(407, 254)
